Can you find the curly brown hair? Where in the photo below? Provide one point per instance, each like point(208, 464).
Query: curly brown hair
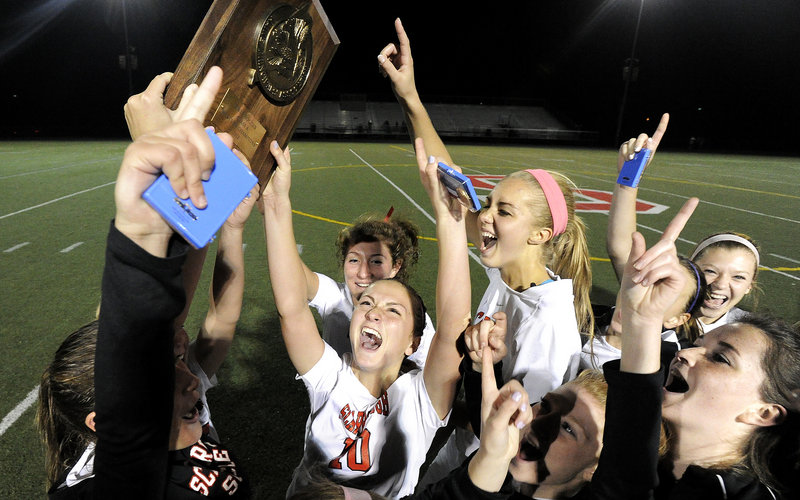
point(400, 236)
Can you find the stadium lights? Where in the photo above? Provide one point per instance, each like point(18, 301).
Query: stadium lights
point(629, 74)
point(128, 58)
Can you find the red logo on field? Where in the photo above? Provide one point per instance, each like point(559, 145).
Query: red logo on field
point(586, 200)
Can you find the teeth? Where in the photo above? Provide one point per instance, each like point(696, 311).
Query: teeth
point(488, 235)
point(369, 331)
point(362, 285)
point(717, 296)
point(371, 338)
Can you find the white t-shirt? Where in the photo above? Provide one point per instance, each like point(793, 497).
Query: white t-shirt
point(335, 306)
point(205, 385)
point(542, 334)
point(543, 350)
point(603, 351)
point(377, 444)
point(732, 316)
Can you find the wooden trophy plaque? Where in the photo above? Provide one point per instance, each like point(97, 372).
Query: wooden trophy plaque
point(273, 54)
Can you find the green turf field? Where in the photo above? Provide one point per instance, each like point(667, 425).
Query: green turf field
point(56, 195)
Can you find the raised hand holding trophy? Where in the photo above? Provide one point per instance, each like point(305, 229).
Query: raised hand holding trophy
point(273, 54)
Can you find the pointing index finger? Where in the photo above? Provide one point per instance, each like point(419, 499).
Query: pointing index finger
point(405, 44)
point(678, 222)
point(662, 128)
point(488, 382)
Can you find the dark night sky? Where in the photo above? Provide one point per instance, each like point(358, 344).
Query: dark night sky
point(737, 60)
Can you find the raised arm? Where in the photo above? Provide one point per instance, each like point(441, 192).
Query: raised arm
point(145, 113)
point(286, 270)
point(652, 281)
point(453, 292)
point(622, 214)
point(504, 412)
point(227, 289)
point(395, 62)
point(142, 294)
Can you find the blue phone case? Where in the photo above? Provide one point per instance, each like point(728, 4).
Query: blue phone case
point(230, 181)
point(459, 186)
point(632, 170)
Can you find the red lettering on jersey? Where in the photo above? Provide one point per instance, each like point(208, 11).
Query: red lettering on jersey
point(357, 451)
point(202, 483)
point(361, 420)
point(199, 452)
point(358, 456)
point(230, 485)
point(221, 455)
point(383, 404)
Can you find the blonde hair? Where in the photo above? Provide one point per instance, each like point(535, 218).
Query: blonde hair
point(567, 254)
point(594, 382)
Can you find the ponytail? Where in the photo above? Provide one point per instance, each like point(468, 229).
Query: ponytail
point(570, 259)
point(566, 254)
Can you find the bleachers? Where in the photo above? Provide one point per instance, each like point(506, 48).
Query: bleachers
point(385, 119)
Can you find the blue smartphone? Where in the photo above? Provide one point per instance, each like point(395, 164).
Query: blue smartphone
point(632, 170)
point(459, 186)
point(230, 181)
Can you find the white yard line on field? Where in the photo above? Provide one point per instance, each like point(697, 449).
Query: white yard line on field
point(409, 198)
point(57, 199)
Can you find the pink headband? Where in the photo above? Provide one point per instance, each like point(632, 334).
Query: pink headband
point(554, 197)
point(354, 494)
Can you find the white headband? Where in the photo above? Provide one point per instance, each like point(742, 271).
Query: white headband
point(726, 237)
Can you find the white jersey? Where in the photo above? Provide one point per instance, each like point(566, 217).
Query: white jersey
point(335, 306)
point(204, 385)
point(543, 350)
point(377, 444)
point(604, 352)
point(542, 334)
point(732, 316)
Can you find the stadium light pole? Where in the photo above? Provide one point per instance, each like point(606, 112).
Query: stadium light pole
point(628, 75)
point(127, 48)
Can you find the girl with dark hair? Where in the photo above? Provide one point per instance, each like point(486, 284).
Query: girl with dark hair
point(372, 248)
point(119, 408)
point(370, 425)
point(726, 403)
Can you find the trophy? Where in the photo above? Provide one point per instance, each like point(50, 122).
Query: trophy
point(273, 54)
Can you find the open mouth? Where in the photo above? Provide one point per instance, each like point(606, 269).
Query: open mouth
point(529, 451)
point(194, 414)
point(488, 241)
point(676, 382)
point(715, 300)
point(371, 340)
